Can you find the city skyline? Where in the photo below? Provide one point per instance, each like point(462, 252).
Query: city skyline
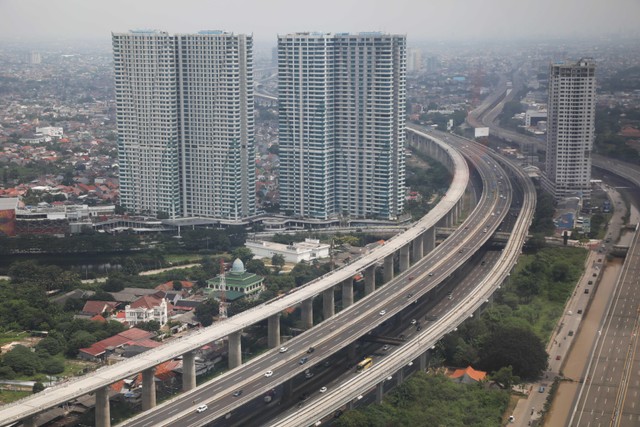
point(436, 20)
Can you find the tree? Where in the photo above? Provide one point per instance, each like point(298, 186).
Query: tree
point(80, 339)
point(151, 326)
point(22, 360)
point(206, 311)
point(52, 366)
point(37, 387)
point(177, 285)
point(277, 260)
point(256, 266)
point(50, 346)
point(7, 373)
point(504, 377)
point(514, 346)
point(243, 253)
point(115, 282)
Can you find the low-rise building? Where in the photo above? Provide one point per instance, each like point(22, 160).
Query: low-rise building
point(147, 308)
point(308, 250)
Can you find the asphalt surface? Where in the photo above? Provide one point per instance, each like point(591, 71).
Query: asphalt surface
point(337, 332)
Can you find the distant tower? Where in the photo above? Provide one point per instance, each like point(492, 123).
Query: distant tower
point(570, 128)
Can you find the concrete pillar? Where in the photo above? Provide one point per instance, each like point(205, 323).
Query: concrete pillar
point(388, 269)
point(370, 279)
point(273, 331)
point(103, 413)
point(347, 293)
point(188, 371)
point(400, 376)
point(422, 360)
point(235, 350)
point(429, 240)
point(379, 392)
point(328, 303)
point(416, 246)
point(404, 258)
point(29, 422)
point(148, 389)
point(447, 220)
point(307, 313)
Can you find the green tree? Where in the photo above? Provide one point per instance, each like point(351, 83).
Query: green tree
point(277, 260)
point(50, 345)
point(206, 311)
point(37, 387)
point(514, 346)
point(243, 253)
point(52, 366)
point(504, 377)
point(256, 266)
point(151, 326)
point(22, 360)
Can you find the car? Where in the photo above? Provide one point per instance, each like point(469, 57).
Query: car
point(382, 312)
point(586, 291)
point(385, 347)
point(460, 251)
point(402, 337)
point(431, 274)
point(308, 374)
point(311, 350)
point(558, 357)
point(323, 389)
point(409, 295)
point(303, 360)
point(237, 393)
point(284, 349)
point(202, 408)
point(483, 262)
point(411, 278)
point(414, 321)
point(541, 389)
point(580, 311)
point(570, 333)
point(268, 374)
point(418, 328)
point(450, 295)
point(590, 282)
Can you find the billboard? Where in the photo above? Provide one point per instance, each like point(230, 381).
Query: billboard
point(481, 132)
point(8, 222)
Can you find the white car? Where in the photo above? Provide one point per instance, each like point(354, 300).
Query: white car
point(268, 374)
point(283, 349)
point(323, 389)
point(201, 408)
point(383, 312)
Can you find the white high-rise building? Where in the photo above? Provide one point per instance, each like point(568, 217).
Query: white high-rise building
point(185, 123)
point(570, 128)
point(341, 124)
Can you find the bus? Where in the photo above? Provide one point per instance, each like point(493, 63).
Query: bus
point(364, 365)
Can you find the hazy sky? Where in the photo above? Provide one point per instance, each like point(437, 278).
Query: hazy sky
point(419, 19)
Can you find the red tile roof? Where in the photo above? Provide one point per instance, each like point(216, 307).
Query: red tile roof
point(470, 372)
point(98, 307)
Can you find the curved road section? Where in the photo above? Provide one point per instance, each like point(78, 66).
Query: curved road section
point(491, 172)
point(107, 375)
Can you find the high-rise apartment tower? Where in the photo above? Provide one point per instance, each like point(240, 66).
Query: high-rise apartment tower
point(185, 123)
point(341, 124)
point(570, 128)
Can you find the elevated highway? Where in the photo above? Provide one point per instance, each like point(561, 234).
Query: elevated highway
point(343, 329)
point(350, 390)
point(409, 245)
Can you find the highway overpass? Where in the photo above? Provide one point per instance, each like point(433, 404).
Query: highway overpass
point(409, 246)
